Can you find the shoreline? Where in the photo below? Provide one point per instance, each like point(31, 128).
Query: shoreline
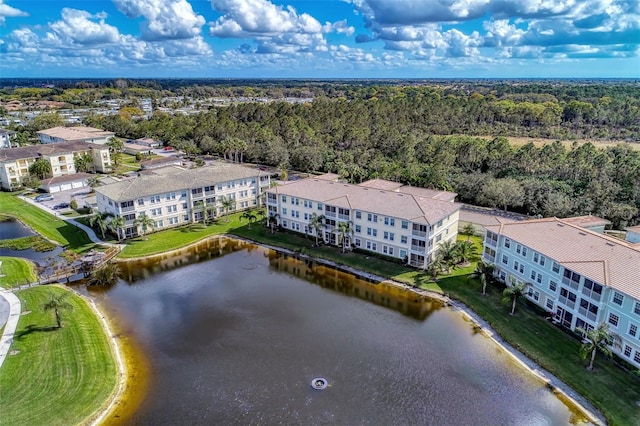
point(557, 386)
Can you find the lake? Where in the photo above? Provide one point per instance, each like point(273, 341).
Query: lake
point(235, 333)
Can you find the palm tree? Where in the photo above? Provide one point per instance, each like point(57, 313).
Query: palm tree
point(465, 250)
point(483, 272)
point(57, 303)
point(344, 230)
point(597, 339)
point(209, 212)
point(145, 223)
point(316, 222)
point(101, 220)
point(512, 294)
point(40, 168)
point(436, 266)
point(227, 205)
point(116, 224)
point(262, 213)
point(274, 218)
point(107, 274)
point(468, 230)
point(248, 214)
point(447, 253)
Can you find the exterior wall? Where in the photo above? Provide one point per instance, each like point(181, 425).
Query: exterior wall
point(101, 160)
point(61, 164)
point(12, 172)
point(5, 140)
point(387, 235)
point(188, 205)
point(633, 237)
point(575, 301)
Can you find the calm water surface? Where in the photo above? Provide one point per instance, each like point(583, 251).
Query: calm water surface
point(238, 339)
point(11, 229)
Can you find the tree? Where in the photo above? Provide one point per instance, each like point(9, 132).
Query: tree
point(93, 182)
point(345, 230)
point(101, 220)
point(512, 294)
point(248, 214)
point(316, 222)
point(502, 193)
point(145, 223)
point(468, 230)
point(465, 250)
point(41, 168)
point(57, 303)
point(228, 204)
point(273, 220)
point(83, 162)
point(447, 254)
point(107, 274)
point(484, 273)
point(116, 224)
point(597, 339)
point(116, 146)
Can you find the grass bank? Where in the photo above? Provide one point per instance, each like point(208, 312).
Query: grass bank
point(44, 223)
point(610, 389)
point(56, 376)
point(15, 271)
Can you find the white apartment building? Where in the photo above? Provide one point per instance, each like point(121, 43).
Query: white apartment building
point(15, 162)
point(77, 133)
point(388, 218)
point(583, 277)
point(173, 196)
point(6, 137)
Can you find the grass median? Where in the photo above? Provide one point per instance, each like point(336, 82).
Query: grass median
point(45, 223)
point(56, 376)
point(15, 271)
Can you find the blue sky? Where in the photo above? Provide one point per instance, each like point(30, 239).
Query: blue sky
point(320, 38)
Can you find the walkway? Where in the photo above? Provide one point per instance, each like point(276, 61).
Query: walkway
point(14, 315)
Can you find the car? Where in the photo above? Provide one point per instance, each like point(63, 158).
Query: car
point(61, 206)
point(44, 197)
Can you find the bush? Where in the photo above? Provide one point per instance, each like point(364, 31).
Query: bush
point(73, 204)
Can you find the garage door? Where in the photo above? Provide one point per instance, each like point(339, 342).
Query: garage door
point(77, 184)
point(65, 186)
point(54, 188)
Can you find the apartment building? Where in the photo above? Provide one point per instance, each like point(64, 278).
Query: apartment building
point(583, 277)
point(77, 133)
point(388, 218)
point(173, 196)
point(15, 162)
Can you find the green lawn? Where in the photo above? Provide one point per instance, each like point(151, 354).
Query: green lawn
point(44, 223)
point(609, 388)
point(59, 376)
point(16, 271)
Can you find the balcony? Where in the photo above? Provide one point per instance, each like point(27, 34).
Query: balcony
point(343, 216)
point(421, 249)
point(587, 314)
point(421, 234)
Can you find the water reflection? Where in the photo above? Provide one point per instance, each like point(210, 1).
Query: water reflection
point(11, 229)
point(235, 334)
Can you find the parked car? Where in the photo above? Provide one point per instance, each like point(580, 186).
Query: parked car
point(61, 206)
point(44, 197)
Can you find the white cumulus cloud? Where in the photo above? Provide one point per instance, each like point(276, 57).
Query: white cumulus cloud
point(7, 11)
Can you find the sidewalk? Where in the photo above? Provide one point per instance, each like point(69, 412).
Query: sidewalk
point(14, 315)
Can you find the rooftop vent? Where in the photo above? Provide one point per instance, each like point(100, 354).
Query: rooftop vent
point(581, 233)
point(610, 244)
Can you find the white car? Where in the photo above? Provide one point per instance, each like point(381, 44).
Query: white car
point(44, 197)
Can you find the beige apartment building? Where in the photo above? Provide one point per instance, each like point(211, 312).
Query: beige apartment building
point(15, 162)
point(387, 218)
point(78, 133)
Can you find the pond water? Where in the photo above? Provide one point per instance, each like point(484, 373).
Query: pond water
point(235, 334)
point(12, 229)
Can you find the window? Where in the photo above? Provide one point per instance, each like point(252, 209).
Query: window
point(184, 206)
point(438, 238)
point(371, 246)
point(284, 198)
point(555, 268)
point(567, 298)
point(173, 221)
point(358, 229)
point(571, 279)
point(129, 216)
point(633, 330)
point(358, 215)
point(618, 298)
point(505, 259)
point(219, 187)
point(636, 357)
point(521, 250)
point(172, 195)
point(405, 224)
point(159, 223)
point(372, 217)
point(588, 309)
point(507, 243)
point(320, 207)
point(535, 295)
point(519, 267)
point(194, 191)
point(403, 254)
point(627, 351)
point(184, 194)
point(308, 204)
point(295, 201)
point(284, 223)
point(613, 319)
point(154, 199)
point(553, 285)
point(539, 259)
point(636, 308)
point(591, 289)
point(284, 211)
point(140, 201)
point(389, 221)
point(126, 204)
point(358, 242)
point(403, 239)
point(549, 304)
point(389, 236)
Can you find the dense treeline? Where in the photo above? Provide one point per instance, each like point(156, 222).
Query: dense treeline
point(408, 139)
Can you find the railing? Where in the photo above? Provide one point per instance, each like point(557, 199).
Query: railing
point(127, 209)
point(343, 216)
point(421, 249)
point(566, 302)
point(422, 234)
point(587, 313)
point(329, 214)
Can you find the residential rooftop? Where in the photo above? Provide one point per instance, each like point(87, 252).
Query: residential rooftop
point(33, 151)
point(607, 260)
point(76, 133)
point(175, 179)
point(587, 221)
point(415, 207)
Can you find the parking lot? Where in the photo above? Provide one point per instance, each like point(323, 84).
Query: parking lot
point(64, 197)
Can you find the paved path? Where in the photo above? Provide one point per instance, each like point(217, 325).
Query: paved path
point(12, 323)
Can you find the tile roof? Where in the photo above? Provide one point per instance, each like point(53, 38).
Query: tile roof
point(389, 203)
point(179, 179)
point(76, 133)
point(604, 259)
point(387, 185)
point(587, 221)
point(33, 151)
point(634, 229)
point(66, 178)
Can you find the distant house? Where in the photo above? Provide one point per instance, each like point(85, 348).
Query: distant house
point(78, 133)
point(592, 223)
point(148, 142)
point(5, 138)
point(15, 162)
point(64, 183)
point(160, 162)
point(134, 148)
point(633, 234)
